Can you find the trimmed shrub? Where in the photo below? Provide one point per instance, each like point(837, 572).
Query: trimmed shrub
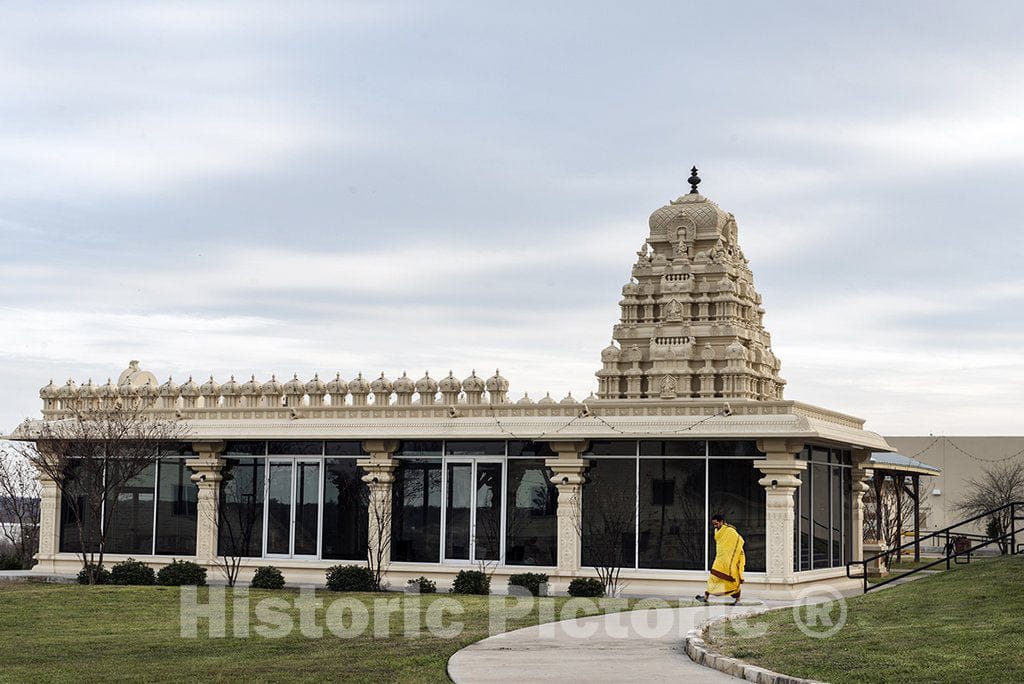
point(267, 577)
point(349, 578)
point(586, 586)
point(531, 581)
point(132, 571)
point(425, 585)
point(10, 562)
point(471, 582)
point(102, 575)
point(181, 573)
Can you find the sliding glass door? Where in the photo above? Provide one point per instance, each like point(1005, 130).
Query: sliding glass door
point(293, 507)
point(473, 521)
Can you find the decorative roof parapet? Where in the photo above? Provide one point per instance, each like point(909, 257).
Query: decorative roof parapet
point(294, 394)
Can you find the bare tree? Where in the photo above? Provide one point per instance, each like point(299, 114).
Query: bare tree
point(605, 523)
point(895, 516)
point(19, 506)
point(378, 547)
point(239, 514)
point(91, 454)
point(999, 485)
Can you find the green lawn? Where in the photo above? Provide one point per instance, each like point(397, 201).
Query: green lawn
point(70, 632)
point(960, 626)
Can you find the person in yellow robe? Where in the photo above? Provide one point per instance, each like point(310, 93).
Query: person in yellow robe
point(727, 570)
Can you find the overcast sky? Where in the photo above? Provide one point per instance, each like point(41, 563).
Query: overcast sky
point(240, 188)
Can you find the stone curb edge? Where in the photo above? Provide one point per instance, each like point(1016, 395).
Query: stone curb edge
point(697, 650)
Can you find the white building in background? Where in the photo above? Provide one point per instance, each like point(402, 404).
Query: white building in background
point(688, 420)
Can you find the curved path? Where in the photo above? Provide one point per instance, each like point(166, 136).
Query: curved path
point(644, 645)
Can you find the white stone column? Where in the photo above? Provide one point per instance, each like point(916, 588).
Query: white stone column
point(860, 475)
point(206, 473)
point(781, 469)
point(379, 478)
point(568, 479)
point(49, 524)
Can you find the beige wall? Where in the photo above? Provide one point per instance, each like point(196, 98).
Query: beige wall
point(947, 452)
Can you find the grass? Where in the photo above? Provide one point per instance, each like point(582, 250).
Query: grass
point(70, 632)
point(959, 626)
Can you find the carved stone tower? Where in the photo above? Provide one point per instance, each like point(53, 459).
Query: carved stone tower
point(691, 325)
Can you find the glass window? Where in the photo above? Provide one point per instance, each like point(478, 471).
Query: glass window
point(344, 449)
point(609, 512)
point(531, 524)
point(837, 515)
point(611, 448)
point(820, 488)
point(848, 530)
point(672, 512)
point(176, 515)
point(804, 495)
point(295, 448)
point(796, 528)
point(419, 449)
point(692, 447)
point(307, 507)
point(241, 508)
point(279, 506)
point(245, 449)
point(530, 449)
point(734, 449)
point(75, 503)
point(416, 512)
point(345, 510)
point(735, 493)
point(475, 448)
point(129, 515)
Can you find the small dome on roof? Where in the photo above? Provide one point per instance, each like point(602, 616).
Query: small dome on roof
point(569, 399)
point(359, 385)
point(426, 384)
point(169, 388)
point(381, 385)
point(404, 384)
point(88, 390)
point(127, 389)
point(450, 383)
point(148, 391)
point(230, 388)
point(189, 389)
point(525, 400)
point(496, 383)
point(294, 386)
point(610, 353)
point(210, 388)
point(474, 383)
point(337, 387)
point(69, 390)
point(250, 388)
point(271, 386)
point(316, 385)
point(547, 400)
point(49, 391)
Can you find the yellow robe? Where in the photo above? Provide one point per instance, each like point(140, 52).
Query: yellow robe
point(727, 570)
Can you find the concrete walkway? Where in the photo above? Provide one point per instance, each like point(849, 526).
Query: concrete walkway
point(645, 646)
point(29, 576)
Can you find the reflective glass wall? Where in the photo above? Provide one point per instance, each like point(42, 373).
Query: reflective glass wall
point(823, 536)
point(646, 504)
point(153, 513)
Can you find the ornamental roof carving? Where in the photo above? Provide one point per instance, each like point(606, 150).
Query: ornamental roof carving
point(691, 323)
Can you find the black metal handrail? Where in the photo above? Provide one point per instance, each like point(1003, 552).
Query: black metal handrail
point(951, 554)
